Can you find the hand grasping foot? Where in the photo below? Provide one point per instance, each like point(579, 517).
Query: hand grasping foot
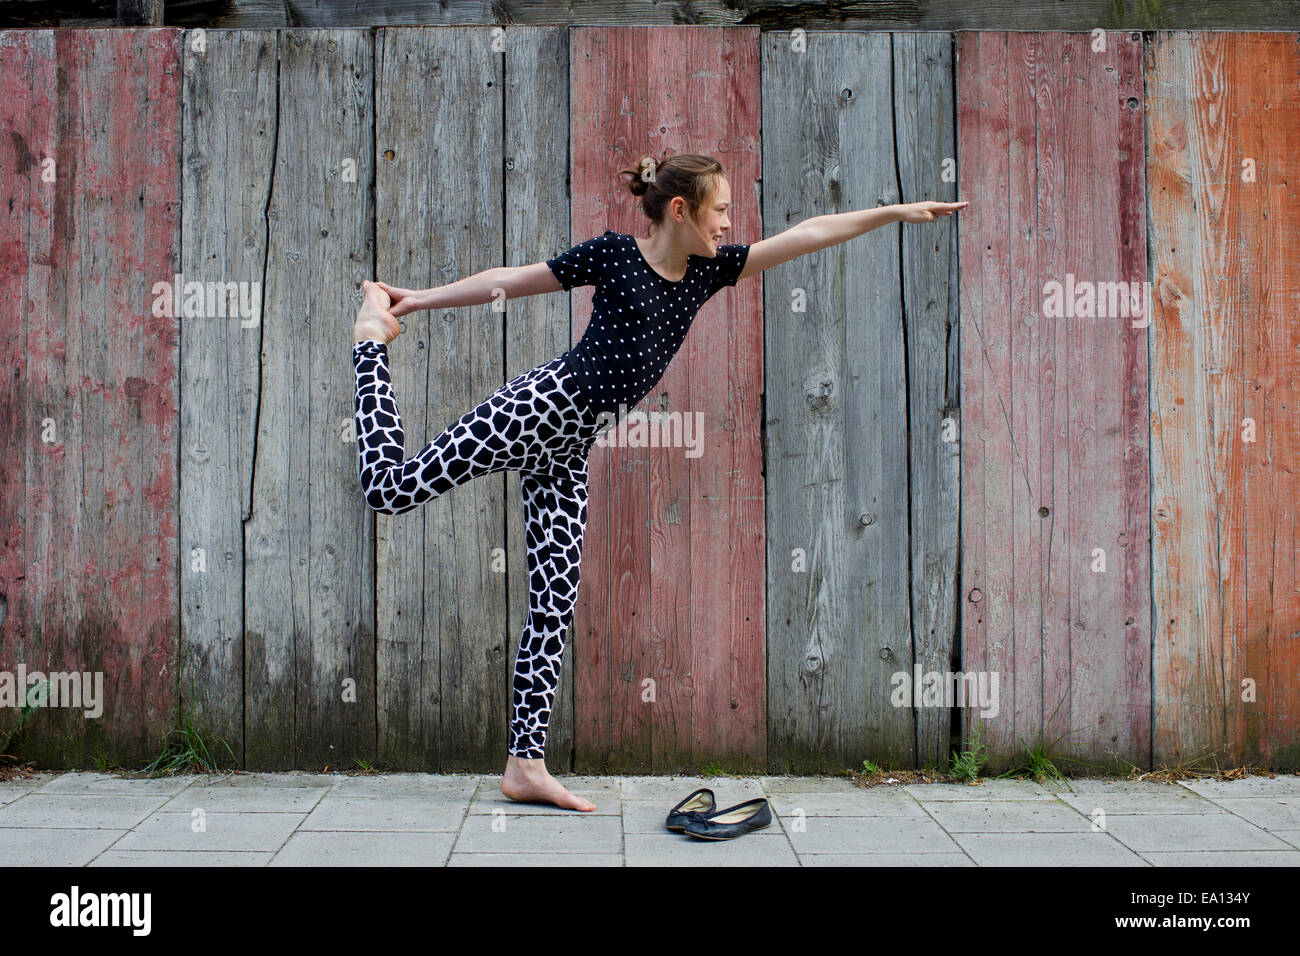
point(374, 321)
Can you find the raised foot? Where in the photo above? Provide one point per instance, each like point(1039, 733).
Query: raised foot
point(528, 781)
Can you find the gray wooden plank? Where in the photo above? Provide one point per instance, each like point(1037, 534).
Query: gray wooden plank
point(925, 138)
point(537, 328)
point(442, 640)
point(836, 413)
point(308, 577)
point(229, 129)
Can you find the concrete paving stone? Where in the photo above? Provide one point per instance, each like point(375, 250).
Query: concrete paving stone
point(362, 848)
point(1288, 836)
point(885, 859)
point(294, 778)
point(75, 811)
point(775, 785)
point(527, 833)
point(536, 859)
point(1189, 832)
point(108, 783)
point(869, 802)
point(245, 799)
point(1007, 816)
point(11, 790)
point(1269, 813)
point(54, 847)
point(224, 831)
point(1225, 858)
point(984, 790)
point(1140, 800)
point(732, 790)
point(1047, 849)
point(405, 813)
point(1283, 785)
point(1082, 785)
point(114, 857)
point(413, 784)
point(869, 835)
point(761, 848)
point(490, 800)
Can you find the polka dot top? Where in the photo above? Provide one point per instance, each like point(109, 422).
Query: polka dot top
point(639, 319)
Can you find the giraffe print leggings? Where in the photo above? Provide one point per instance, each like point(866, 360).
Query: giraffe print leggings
point(538, 424)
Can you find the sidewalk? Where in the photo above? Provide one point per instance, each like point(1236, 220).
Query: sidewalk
point(303, 819)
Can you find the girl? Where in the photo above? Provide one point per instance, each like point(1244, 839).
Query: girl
point(544, 422)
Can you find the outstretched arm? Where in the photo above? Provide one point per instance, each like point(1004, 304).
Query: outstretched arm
point(819, 232)
point(478, 289)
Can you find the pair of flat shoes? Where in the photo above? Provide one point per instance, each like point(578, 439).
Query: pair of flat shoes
point(698, 815)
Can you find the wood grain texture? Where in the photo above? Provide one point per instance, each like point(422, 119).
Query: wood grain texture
point(1222, 117)
point(673, 558)
point(537, 328)
point(306, 571)
point(1081, 15)
point(229, 130)
point(925, 143)
point(1054, 458)
point(88, 569)
point(838, 591)
point(442, 643)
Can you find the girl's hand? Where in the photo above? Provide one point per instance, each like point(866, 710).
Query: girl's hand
point(927, 211)
point(374, 320)
point(405, 301)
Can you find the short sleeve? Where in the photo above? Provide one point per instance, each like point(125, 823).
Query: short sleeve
point(584, 264)
point(727, 265)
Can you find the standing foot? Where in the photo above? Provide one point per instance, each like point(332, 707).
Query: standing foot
point(528, 781)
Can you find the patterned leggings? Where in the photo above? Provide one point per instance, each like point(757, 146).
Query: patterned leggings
point(537, 424)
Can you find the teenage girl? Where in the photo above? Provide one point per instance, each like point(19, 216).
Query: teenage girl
point(544, 422)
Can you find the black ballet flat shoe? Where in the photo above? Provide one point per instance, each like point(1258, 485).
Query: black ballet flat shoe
point(732, 822)
point(698, 804)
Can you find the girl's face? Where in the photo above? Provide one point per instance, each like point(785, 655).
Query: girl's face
point(713, 221)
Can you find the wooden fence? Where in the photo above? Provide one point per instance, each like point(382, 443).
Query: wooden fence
point(1095, 510)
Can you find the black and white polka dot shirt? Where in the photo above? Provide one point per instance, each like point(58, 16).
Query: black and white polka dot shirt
point(639, 319)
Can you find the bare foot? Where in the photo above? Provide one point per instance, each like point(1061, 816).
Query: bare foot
point(374, 320)
point(528, 781)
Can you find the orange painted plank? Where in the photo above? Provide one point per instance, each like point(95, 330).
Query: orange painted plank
point(88, 485)
point(673, 559)
point(1222, 120)
point(1054, 462)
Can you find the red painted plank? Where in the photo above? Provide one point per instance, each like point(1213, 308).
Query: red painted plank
point(1054, 464)
point(1226, 359)
point(92, 587)
point(673, 560)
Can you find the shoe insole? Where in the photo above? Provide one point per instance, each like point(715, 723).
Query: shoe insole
point(737, 816)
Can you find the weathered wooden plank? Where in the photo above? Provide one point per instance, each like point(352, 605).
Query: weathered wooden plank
point(1053, 457)
point(924, 114)
point(443, 648)
point(1222, 113)
point(672, 557)
point(229, 116)
point(91, 132)
point(309, 664)
point(718, 660)
point(1079, 15)
point(536, 148)
point(612, 724)
point(838, 597)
